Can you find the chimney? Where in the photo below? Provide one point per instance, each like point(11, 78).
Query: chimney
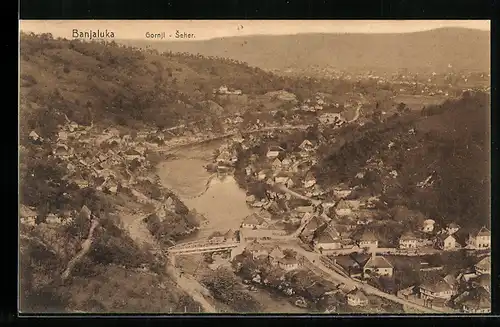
point(374, 254)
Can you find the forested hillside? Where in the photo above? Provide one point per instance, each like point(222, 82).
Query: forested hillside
point(439, 161)
point(114, 84)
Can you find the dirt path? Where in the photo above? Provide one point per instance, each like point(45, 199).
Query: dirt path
point(138, 231)
point(86, 244)
point(193, 288)
point(283, 188)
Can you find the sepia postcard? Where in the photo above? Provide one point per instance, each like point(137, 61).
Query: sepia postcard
point(281, 167)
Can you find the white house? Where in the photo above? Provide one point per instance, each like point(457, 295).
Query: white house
point(343, 208)
point(446, 242)
point(378, 265)
point(357, 298)
point(257, 250)
point(254, 221)
point(289, 263)
point(328, 239)
point(428, 226)
point(480, 239)
point(408, 241)
point(306, 145)
point(274, 151)
point(436, 290)
point(368, 240)
point(276, 255)
point(276, 164)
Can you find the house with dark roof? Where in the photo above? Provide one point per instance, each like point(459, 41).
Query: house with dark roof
point(477, 301)
point(438, 289)
point(452, 228)
point(480, 239)
point(367, 240)
point(483, 266)
point(257, 250)
point(377, 266)
point(328, 239)
point(483, 281)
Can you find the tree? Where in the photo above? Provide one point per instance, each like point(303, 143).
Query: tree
point(401, 107)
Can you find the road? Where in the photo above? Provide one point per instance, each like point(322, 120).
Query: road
point(193, 288)
point(285, 189)
point(86, 244)
point(314, 259)
point(191, 142)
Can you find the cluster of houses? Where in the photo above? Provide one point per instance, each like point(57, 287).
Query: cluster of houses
point(276, 256)
point(468, 291)
point(446, 239)
point(105, 159)
point(224, 90)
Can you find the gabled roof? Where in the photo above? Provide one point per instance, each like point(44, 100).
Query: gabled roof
point(314, 223)
point(216, 234)
point(305, 143)
point(253, 219)
point(483, 280)
point(277, 253)
point(443, 237)
point(438, 286)
point(479, 298)
point(255, 246)
point(484, 263)
point(484, 232)
point(407, 236)
point(378, 262)
point(328, 235)
point(368, 236)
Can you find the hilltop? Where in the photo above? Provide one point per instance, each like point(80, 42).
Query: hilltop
point(436, 162)
point(428, 51)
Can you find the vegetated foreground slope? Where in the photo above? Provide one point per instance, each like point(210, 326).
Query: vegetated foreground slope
point(428, 51)
point(116, 274)
point(440, 159)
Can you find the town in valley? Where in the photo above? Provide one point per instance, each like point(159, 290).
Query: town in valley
point(177, 182)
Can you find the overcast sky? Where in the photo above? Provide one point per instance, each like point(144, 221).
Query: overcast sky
point(207, 29)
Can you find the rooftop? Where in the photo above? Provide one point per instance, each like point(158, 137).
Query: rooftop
point(484, 263)
point(368, 236)
point(438, 286)
point(253, 219)
point(378, 262)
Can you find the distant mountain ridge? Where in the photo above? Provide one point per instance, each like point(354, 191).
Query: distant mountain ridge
point(427, 51)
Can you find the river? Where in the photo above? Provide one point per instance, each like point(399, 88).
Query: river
point(221, 201)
